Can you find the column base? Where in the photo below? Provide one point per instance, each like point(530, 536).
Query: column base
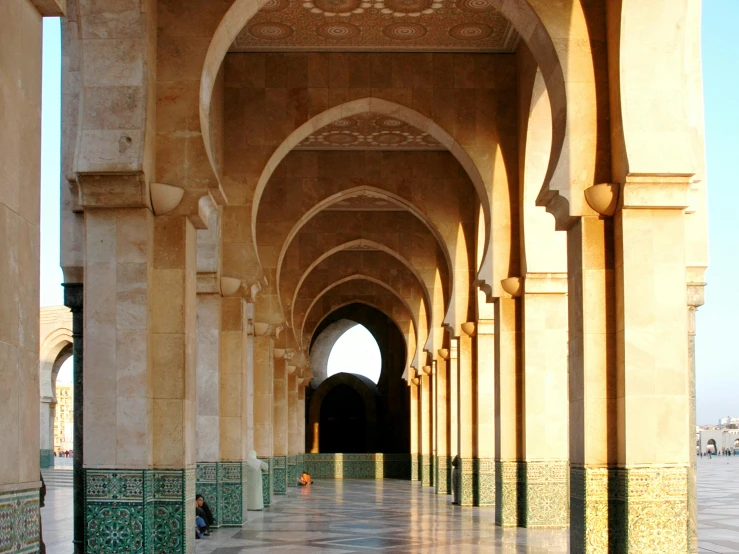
point(416, 467)
point(46, 458)
point(478, 482)
point(506, 493)
point(629, 509)
point(279, 475)
point(20, 518)
point(546, 501)
point(292, 471)
point(267, 481)
point(443, 475)
point(139, 511)
point(427, 479)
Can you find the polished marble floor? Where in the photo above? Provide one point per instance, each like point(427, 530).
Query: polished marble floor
point(399, 516)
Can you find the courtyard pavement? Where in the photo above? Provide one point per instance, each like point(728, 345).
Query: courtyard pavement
point(399, 516)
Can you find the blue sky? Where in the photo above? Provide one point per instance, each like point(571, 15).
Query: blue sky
point(717, 358)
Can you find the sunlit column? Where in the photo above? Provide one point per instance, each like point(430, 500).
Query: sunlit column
point(508, 447)
point(425, 426)
point(443, 474)
point(485, 403)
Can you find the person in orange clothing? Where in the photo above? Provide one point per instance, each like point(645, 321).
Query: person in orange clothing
point(305, 480)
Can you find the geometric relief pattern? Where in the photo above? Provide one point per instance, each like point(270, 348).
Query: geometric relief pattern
point(232, 499)
point(416, 467)
point(547, 494)
point(651, 505)
point(19, 521)
point(279, 475)
point(630, 510)
point(426, 471)
point(369, 131)
point(478, 482)
point(443, 475)
point(139, 511)
point(292, 471)
point(589, 509)
point(358, 466)
point(371, 25)
point(506, 493)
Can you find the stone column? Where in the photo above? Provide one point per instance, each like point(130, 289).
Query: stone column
point(279, 423)
point(301, 427)
point(654, 372)
point(425, 427)
point(294, 439)
point(592, 383)
point(20, 146)
point(47, 432)
point(695, 300)
point(263, 401)
point(74, 300)
point(508, 406)
point(414, 389)
point(485, 400)
point(443, 460)
point(453, 376)
point(208, 422)
point(173, 309)
point(545, 389)
point(467, 403)
point(234, 411)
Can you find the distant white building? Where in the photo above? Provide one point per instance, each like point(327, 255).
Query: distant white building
point(717, 440)
point(728, 420)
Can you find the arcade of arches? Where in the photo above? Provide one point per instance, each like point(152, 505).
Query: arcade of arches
point(516, 186)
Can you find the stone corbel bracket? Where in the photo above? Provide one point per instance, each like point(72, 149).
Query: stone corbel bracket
point(165, 198)
point(512, 286)
point(230, 286)
point(603, 198)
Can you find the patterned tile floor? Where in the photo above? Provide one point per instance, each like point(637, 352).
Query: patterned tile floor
point(399, 516)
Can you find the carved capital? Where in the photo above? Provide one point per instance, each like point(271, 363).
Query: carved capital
point(113, 190)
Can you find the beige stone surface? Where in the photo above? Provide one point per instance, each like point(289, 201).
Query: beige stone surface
point(298, 185)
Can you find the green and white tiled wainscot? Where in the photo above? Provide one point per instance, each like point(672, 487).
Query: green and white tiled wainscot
point(358, 466)
point(19, 521)
point(139, 511)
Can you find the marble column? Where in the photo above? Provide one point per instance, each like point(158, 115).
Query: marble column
point(208, 422)
point(139, 398)
point(484, 470)
point(294, 439)
point(234, 390)
point(173, 309)
point(654, 373)
point(592, 382)
point(20, 147)
point(414, 390)
point(695, 300)
point(425, 416)
point(545, 388)
point(453, 376)
point(263, 402)
point(48, 409)
point(279, 423)
point(443, 460)
point(301, 427)
point(508, 407)
point(467, 403)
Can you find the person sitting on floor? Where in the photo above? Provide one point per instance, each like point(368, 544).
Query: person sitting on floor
point(201, 526)
point(305, 479)
point(203, 510)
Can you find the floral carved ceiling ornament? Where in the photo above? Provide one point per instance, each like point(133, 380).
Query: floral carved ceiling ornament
point(369, 131)
point(378, 25)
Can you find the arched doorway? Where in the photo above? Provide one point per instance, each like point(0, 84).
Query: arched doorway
point(342, 422)
point(711, 446)
point(55, 350)
point(389, 405)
